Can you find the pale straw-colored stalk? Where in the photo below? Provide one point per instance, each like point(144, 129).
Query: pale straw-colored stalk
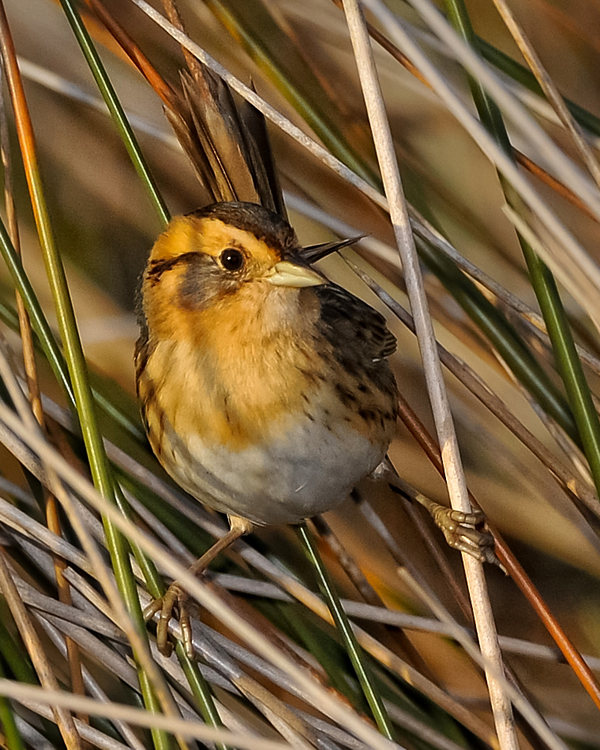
point(193, 729)
point(90, 547)
point(549, 88)
point(582, 269)
point(538, 139)
point(455, 479)
point(328, 703)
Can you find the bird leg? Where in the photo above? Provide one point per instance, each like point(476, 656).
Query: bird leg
point(176, 597)
point(459, 529)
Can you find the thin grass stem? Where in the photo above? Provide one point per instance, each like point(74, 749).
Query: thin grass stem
point(588, 278)
point(581, 269)
point(544, 285)
point(68, 327)
point(527, 711)
point(457, 488)
point(347, 634)
point(327, 703)
point(116, 110)
point(47, 678)
point(201, 690)
point(12, 736)
point(548, 87)
point(137, 716)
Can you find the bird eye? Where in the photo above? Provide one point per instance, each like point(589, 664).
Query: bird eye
point(232, 259)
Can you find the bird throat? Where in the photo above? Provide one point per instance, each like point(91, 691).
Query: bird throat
point(242, 367)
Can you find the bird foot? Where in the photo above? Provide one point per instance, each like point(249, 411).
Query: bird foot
point(461, 531)
point(176, 598)
point(174, 603)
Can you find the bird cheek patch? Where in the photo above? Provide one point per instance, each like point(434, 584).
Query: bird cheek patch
point(202, 283)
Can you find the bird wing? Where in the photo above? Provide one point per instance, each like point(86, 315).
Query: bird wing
point(354, 329)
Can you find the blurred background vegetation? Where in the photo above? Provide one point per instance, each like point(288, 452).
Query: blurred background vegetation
point(105, 224)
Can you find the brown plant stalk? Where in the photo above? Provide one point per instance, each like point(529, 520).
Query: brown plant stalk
point(33, 388)
point(506, 557)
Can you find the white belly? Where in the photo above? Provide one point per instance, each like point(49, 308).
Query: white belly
point(308, 472)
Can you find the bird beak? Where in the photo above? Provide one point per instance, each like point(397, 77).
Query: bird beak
point(313, 253)
point(285, 273)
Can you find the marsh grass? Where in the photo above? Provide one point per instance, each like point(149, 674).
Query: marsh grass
point(273, 671)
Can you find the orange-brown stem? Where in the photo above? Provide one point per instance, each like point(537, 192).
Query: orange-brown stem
point(514, 568)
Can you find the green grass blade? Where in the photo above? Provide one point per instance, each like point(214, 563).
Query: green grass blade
point(502, 335)
point(345, 629)
point(47, 340)
point(116, 110)
point(544, 285)
point(151, 576)
point(525, 77)
point(154, 583)
point(201, 690)
point(12, 736)
point(491, 321)
point(99, 467)
point(34, 309)
point(567, 360)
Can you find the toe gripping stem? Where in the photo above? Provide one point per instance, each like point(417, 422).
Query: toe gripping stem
point(465, 532)
point(174, 601)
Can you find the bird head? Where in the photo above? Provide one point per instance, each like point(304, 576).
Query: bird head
point(213, 252)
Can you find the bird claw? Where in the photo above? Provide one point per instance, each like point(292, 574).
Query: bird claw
point(460, 532)
point(172, 604)
point(175, 599)
point(459, 528)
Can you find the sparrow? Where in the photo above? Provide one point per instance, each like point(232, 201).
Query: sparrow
point(264, 388)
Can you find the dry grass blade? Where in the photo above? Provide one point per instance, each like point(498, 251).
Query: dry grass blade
point(134, 53)
point(91, 684)
point(393, 617)
point(573, 279)
point(324, 700)
point(586, 269)
point(457, 488)
point(92, 551)
point(559, 187)
point(87, 733)
point(576, 180)
point(549, 88)
point(531, 491)
point(527, 711)
point(522, 158)
point(136, 716)
point(516, 571)
point(327, 704)
point(33, 387)
point(37, 653)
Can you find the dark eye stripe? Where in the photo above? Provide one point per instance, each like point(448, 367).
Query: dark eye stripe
point(158, 267)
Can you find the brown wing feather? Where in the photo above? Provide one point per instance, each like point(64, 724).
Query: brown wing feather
point(363, 331)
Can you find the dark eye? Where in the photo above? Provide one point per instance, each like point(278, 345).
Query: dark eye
point(232, 259)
